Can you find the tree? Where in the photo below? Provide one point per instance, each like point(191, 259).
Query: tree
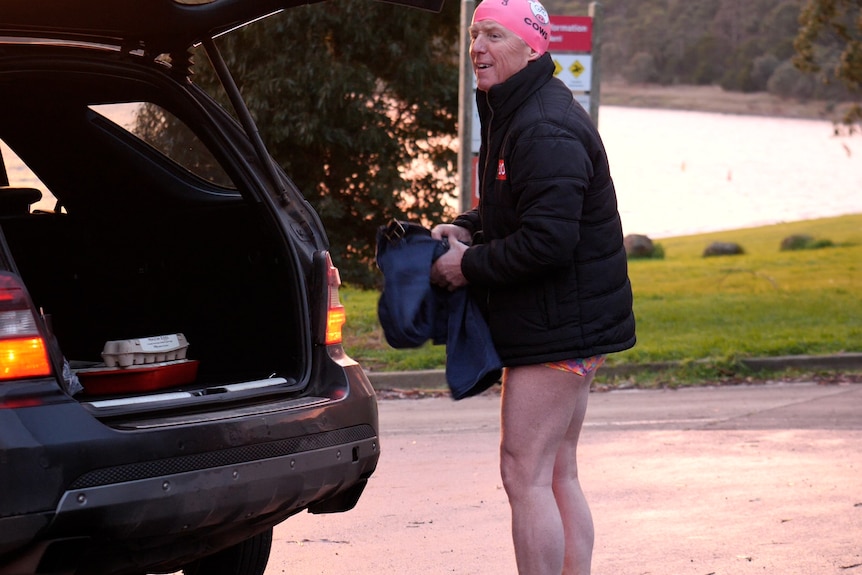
point(762, 69)
point(358, 102)
point(833, 27)
point(779, 27)
point(641, 69)
point(789, 82)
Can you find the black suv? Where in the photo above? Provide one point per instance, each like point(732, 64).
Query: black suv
point(172, 380)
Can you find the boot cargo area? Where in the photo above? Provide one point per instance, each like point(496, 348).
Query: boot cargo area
point(212, 273)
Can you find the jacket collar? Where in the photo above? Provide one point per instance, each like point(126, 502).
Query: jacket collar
point(504, 99)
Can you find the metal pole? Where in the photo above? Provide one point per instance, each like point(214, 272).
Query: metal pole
point(465, 111)
point(595, 73)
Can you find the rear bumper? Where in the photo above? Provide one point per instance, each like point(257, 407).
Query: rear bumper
point(139, 516)
point(195, 500)
point(80, 495)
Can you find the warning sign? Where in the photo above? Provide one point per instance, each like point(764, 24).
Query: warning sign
point(577, 68)
point(574, 70)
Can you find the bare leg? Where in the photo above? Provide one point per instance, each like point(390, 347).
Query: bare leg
point(577, 519)
point(542, 413)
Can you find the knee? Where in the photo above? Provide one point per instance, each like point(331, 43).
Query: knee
point(509, 472)
point(518, 475)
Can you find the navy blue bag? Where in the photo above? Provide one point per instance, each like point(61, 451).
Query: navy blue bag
point(412, 310)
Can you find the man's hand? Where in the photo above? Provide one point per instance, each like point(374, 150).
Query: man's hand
point(452, 232)
point(446, 271)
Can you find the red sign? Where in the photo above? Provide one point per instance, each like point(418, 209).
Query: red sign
point(571, 34)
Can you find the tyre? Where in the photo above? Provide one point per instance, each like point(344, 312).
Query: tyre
point(246, 558)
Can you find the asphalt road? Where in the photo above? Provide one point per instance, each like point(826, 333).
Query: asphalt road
point(760, 479)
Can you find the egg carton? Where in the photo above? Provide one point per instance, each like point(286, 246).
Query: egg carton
point(145, 350)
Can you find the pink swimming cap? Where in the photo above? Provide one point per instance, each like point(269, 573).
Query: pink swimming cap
point(526, 18)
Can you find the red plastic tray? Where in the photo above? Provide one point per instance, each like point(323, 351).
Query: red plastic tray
point(137, 378)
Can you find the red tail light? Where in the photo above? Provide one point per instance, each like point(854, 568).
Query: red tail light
point(335, 314)
point(22, 348)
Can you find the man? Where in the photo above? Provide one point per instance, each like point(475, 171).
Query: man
point(544, 254)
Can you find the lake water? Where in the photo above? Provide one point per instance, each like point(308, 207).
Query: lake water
point(679, 173)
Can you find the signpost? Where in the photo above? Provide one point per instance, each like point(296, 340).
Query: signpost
point(574, 47)
point(571, 47)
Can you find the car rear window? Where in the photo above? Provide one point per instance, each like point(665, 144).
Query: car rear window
point(166, 133)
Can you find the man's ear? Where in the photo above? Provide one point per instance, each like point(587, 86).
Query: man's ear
point(533, 55)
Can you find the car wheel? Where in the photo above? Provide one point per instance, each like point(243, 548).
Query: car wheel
point(246, 558)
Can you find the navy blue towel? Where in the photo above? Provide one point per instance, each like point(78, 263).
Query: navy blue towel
point(412, 310)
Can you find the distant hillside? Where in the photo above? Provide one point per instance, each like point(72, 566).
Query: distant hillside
point(741, 46)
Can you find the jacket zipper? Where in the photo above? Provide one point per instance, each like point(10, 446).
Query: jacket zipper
point(484, 176)
point(483, 179)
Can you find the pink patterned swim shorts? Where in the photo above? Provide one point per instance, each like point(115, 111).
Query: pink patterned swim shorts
point(579, 366)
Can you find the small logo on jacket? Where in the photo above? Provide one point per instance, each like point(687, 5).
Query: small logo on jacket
point(501, 170)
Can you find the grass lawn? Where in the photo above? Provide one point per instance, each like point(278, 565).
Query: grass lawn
point(765, 302)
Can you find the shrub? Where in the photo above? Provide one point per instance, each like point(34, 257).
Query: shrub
point(723, 249)
point(640, 247)
point(804, 242)
point(657, 253)
point(788, 82)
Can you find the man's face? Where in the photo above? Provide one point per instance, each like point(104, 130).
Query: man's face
point(497, 53)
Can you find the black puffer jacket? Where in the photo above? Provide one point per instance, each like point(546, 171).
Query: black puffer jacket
point(548, 255)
